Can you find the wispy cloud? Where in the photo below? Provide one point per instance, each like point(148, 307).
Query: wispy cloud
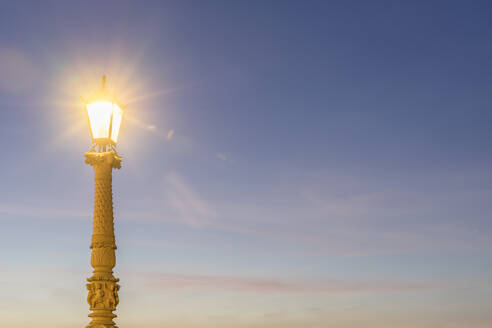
point(266, 285)
point(23, 210)
point(170, 134)
point(322, 216)
point(222, 156)
point(189, 206)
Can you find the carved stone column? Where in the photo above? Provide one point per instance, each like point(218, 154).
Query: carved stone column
point(102, 286)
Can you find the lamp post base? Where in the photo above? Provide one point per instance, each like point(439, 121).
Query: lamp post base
point(102, 323)
point(102, 298)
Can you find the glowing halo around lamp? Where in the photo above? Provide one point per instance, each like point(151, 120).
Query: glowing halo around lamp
point(105, 117)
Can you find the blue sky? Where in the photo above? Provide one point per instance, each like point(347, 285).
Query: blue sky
point(285, 164)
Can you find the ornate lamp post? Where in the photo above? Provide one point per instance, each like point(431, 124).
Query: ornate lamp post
point(105, 116)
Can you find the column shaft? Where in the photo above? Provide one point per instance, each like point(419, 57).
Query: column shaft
point(102, 286)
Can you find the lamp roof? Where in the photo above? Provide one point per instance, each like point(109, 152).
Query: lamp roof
point(103, 94)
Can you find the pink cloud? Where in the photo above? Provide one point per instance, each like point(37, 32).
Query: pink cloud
point(267, 285)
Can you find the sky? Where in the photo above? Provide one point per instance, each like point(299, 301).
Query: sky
point(285, 163)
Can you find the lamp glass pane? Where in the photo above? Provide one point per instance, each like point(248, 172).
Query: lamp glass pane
point(116, 124)
point(100, 118)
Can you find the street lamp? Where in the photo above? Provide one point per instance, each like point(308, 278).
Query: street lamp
point(105, 117)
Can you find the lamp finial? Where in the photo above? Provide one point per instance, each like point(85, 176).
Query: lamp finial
point(104, 81)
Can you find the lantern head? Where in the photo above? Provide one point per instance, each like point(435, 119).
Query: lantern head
point(105, 117)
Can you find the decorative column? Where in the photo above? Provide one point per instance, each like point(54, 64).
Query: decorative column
point(102, 286)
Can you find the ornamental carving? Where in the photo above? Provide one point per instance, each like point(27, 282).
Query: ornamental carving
point(97, 159)
point(103, 257)
point(103, 202)
point(103, 295)
point(103, 244)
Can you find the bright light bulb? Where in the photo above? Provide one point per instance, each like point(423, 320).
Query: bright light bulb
point(100, 118)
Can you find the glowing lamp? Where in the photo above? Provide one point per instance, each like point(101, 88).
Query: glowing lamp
point(105, 117)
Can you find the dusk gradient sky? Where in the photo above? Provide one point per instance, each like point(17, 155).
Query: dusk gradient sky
point(294, 164)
